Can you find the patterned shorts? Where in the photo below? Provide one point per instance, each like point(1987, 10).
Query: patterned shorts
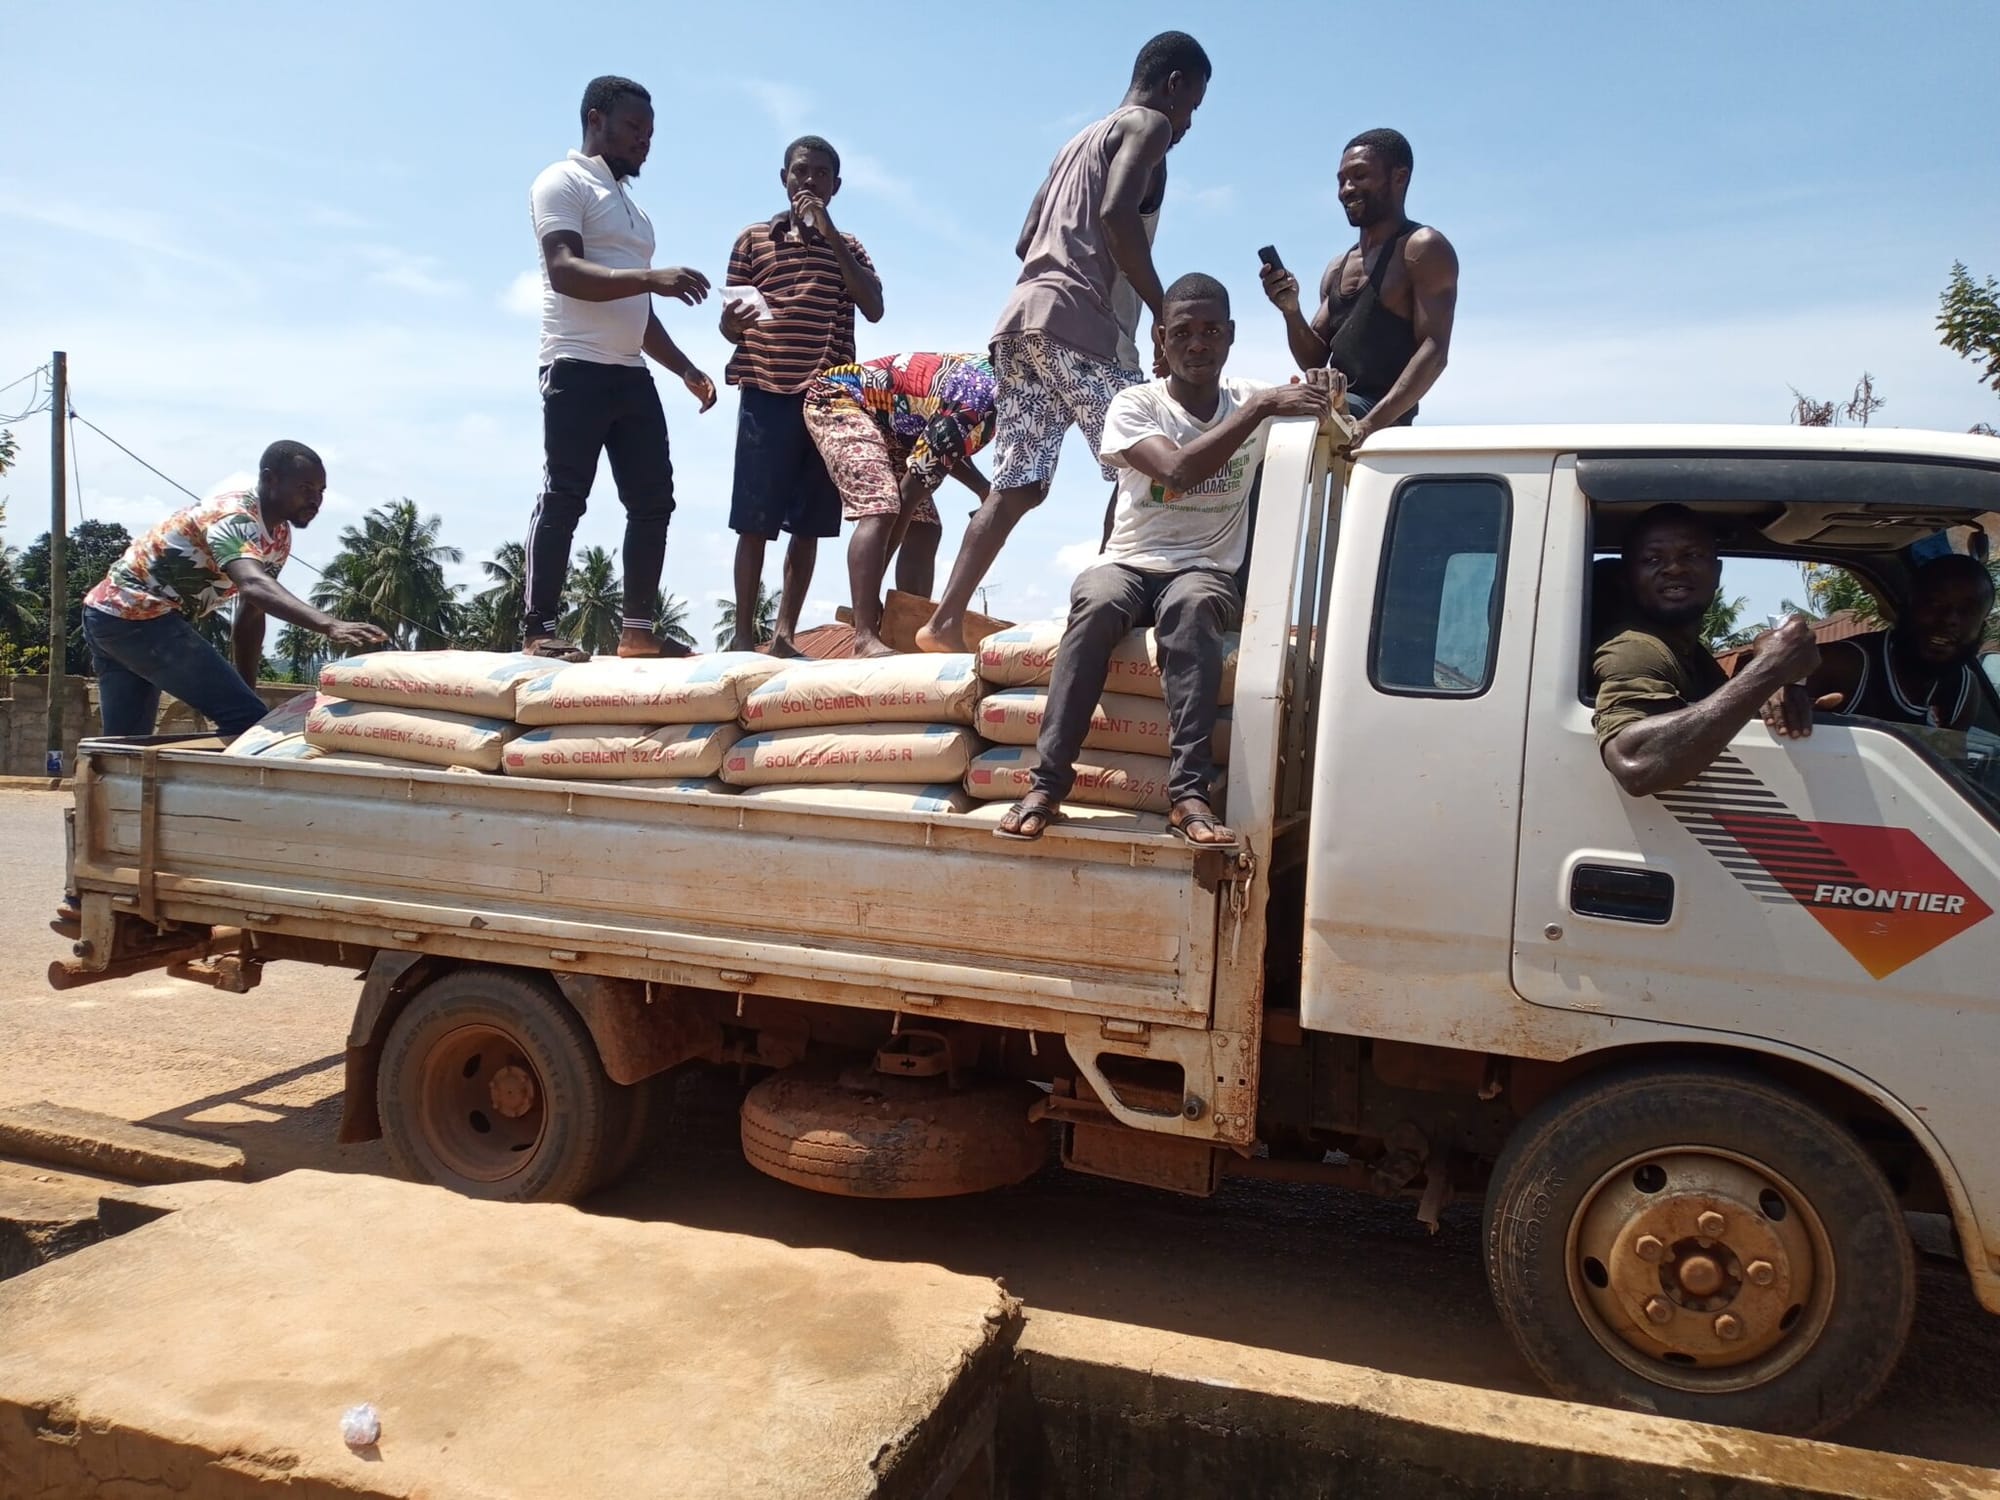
point(866, 467)
point(1046, 388)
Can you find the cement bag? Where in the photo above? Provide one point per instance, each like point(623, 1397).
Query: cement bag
point(420, 734)
point(850, 796)
point(1123, 721)
point(619, 752)
point(888, 753)
point(647, 692)
point(1080, 815)
point(1024, 656)
point(912, 689)
point(1104, 778)
point(273, 746)
point(461, 682)
point(286, 721)
point(376, 763)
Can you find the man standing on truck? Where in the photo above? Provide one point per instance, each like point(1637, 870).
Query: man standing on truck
point(1057, 349)
point(598, 326)
point(1386, 306)
point(890, 431)
point(136, 621)
point(1186, 450)
point(1922, 671)
point(1665, 709)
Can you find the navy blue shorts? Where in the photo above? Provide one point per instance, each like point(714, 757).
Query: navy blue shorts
point(781, 481)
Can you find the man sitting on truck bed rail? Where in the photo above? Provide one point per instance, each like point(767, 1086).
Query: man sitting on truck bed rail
point(194, 562)
point(1186, 450)
point(1923, 671)
point(1665, 709)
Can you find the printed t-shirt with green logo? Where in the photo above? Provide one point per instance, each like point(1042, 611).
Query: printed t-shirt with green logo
point(1161, 531)
point(178, 565)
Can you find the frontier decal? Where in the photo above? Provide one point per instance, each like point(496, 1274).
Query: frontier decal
point(1881, 893)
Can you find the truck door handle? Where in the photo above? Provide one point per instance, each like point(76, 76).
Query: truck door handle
point(1621, 893)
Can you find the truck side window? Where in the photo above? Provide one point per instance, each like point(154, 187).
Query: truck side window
point(1437, 608)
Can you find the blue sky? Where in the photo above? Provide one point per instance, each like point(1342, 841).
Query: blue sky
point(253, 221)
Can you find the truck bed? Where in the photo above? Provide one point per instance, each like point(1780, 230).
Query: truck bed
point(888, 909)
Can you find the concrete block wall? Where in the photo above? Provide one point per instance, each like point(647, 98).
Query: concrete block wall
point(24, 711)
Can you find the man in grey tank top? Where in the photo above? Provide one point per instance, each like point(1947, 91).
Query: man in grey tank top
point(1065, 344)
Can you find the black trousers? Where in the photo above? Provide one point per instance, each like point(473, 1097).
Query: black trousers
point(1190, 611)
point(591, 409)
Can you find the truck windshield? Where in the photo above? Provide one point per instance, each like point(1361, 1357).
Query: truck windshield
point(1970, 757)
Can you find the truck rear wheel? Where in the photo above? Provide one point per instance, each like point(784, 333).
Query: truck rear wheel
point(865, 1136)
point(492, 1087)
point(1703, 1245)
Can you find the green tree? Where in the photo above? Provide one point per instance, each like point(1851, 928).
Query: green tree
point(390, 572)
point(93, 547)
point(670, 621)
point(1721, 629)
point(1831, 589)
point(475, 628)
point(593, 602)
point(764, 623)
point(1969, 322)
point(301, 652)
point(504, 601)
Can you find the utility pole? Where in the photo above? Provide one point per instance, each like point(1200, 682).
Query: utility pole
point(58, 554)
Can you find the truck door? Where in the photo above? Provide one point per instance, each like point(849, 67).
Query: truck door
point(1834, 896)
point(1417, 767)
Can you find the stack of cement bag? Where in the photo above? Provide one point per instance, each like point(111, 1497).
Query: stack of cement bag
point(663, 722)
point(1124, 758)
point(434, 708)
point(888, 732)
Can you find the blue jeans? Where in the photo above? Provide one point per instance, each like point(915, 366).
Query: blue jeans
point(137, 659)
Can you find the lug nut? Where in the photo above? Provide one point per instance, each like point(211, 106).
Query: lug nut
point(1728, 1327)
point(1659, 1309)
point(1649, 1249)
point(1760, 1273)
point(1710, 1225)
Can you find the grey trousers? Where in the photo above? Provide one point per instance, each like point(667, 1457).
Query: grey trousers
point(1190, 611)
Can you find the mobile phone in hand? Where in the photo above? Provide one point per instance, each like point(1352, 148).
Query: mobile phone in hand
point(1269, 255)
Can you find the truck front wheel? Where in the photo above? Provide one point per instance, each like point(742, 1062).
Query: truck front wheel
point(491, 1086)
point(1700, 1244)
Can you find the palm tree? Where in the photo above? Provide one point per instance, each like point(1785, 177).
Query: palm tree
point(764, 623)
point(594, 602)
point(1720, 629)
point(20, 611)
point(508, 568)
point(670, 622)
point(302, 651)
point(390, 571)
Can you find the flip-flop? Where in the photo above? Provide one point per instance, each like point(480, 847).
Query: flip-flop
point(555, 648)
point(672, 650)
point(1206, 820)
point(1050, 816)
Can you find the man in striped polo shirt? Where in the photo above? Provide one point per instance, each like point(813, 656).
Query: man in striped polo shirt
point(812, 278)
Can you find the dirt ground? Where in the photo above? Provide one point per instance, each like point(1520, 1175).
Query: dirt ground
point(1310, 1271)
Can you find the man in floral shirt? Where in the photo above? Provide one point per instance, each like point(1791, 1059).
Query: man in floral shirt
point(137, 621)
point(889, 431)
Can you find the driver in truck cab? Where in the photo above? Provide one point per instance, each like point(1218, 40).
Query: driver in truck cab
point(1921, 671)
point(1665, 708)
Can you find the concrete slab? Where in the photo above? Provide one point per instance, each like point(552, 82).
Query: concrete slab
point(1110, 1411)
point(122, 1209)
point(66, 1137)
point(44, 1214)
point(512, 1350)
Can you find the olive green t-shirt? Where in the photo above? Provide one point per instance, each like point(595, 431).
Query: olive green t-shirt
point(1642, 671)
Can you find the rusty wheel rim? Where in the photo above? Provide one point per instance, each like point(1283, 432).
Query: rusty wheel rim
point(1700, 1269)
point(484, 1104)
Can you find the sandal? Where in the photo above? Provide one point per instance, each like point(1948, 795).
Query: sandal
point(1046, 812)
point(555, 648)
point(1179, 823)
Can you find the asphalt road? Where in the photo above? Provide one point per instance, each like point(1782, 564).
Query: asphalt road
point(1308, 1270)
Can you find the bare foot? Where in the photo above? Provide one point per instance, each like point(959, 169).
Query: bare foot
point(741, 643)
point(941, 634)
point(781, 645)
point(872, 645)
point(643, 643)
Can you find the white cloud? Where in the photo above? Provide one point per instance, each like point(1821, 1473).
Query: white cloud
point(407, 271)
point(1073, 557)
point(785, 106)
point(523, 297)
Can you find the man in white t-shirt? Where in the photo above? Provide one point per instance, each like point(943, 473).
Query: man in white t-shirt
point(598, 326)
point(1187, 449)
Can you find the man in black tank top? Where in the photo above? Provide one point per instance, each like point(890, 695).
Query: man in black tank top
point(1923, 671)
point(1386, 306)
